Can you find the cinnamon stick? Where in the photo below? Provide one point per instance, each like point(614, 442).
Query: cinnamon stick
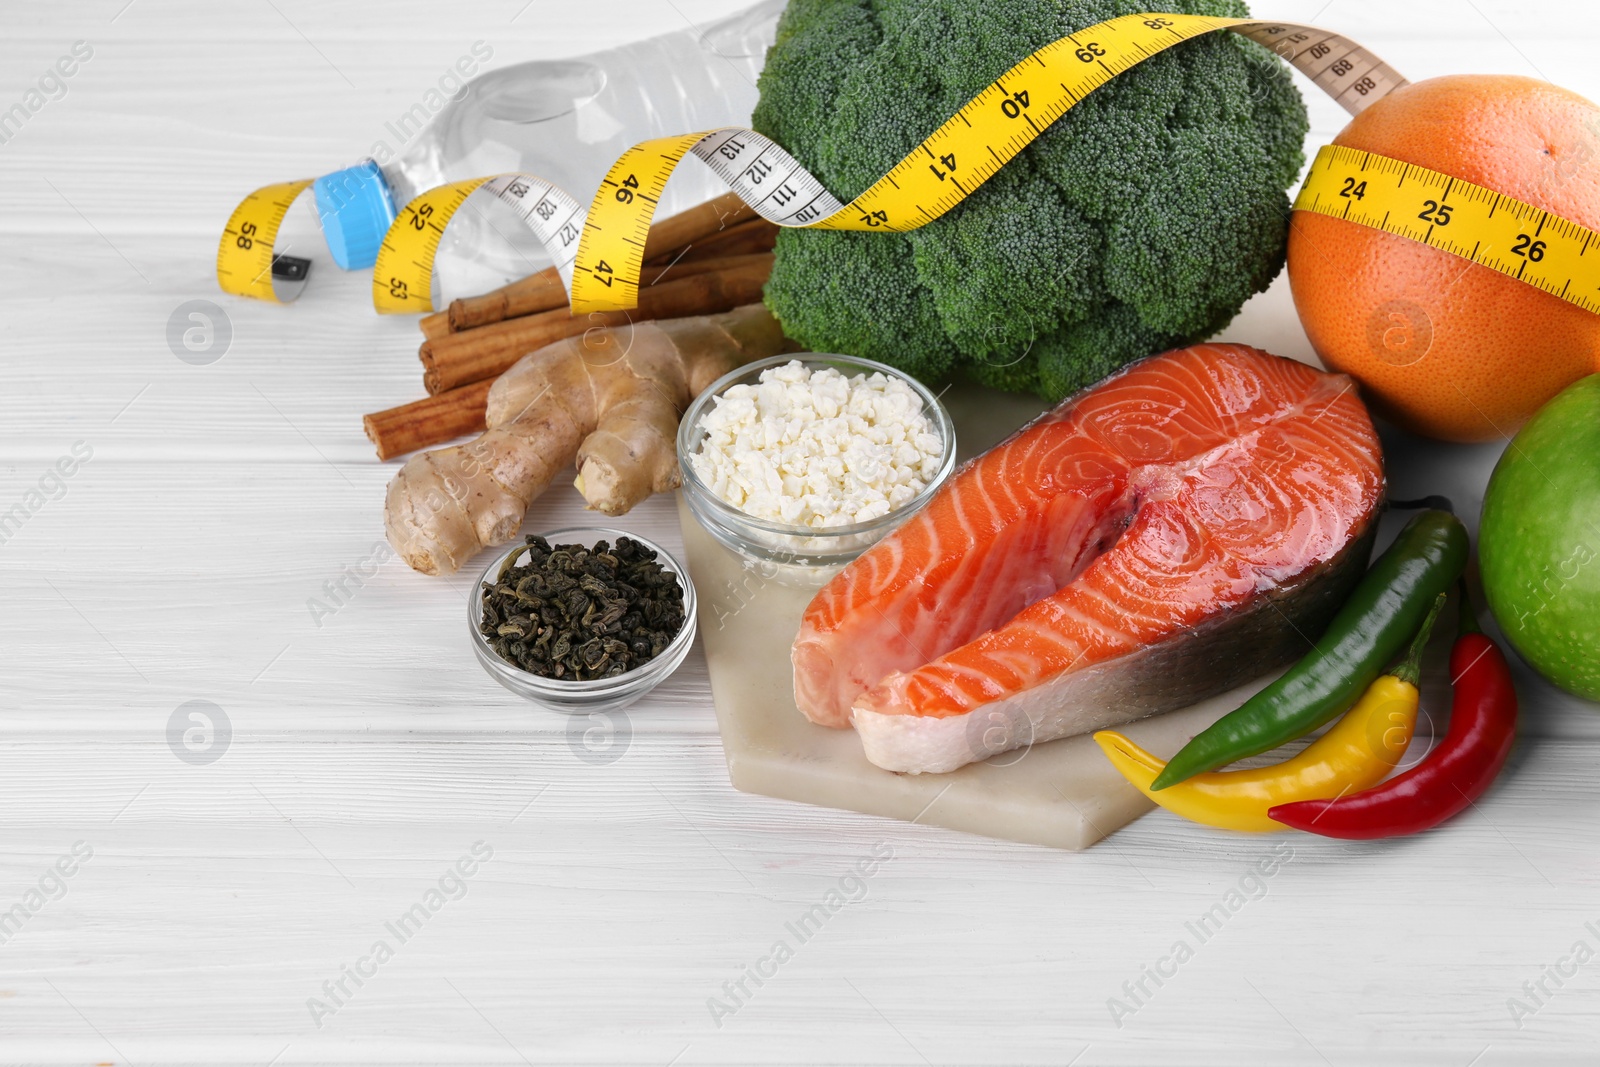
point(655, 274)
point(544, 291)
point(753, 235)
point(430, 421)
point(435, 325)
point(484, 352)
point(715, 215)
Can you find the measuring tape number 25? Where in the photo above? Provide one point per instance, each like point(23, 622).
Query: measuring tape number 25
point(600, 251)
point(954, 160)
point(1467, 220)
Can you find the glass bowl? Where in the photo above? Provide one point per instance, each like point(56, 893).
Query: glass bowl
point(600, 694)
point(799, 550)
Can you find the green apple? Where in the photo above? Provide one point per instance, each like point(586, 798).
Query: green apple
point(1539, 541)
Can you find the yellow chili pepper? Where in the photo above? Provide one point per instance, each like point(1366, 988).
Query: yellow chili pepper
point(1355, 754)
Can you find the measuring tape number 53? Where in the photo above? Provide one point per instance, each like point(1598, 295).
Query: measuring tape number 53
point(600, 250)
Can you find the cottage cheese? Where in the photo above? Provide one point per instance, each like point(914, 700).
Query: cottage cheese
point(816, 448)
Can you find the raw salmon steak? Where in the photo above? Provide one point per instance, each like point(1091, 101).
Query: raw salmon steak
point(1184, 526)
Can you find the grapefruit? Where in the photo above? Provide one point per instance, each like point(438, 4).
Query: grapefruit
point(1440, 345)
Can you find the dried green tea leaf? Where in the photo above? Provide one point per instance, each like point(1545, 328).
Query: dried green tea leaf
point(579, 613)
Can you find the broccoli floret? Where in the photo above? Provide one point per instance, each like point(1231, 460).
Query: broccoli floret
point(1075, 356)
point(1142, 219)
point(865, 287)
point(1021, 265)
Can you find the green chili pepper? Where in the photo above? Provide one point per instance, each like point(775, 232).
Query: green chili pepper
point(1383, 613)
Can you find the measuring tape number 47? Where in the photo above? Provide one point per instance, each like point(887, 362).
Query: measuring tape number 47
point(958, 157)
point(600, 250)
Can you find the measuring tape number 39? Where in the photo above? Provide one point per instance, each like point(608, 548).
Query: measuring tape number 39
point(600, 251)
point(958, 157)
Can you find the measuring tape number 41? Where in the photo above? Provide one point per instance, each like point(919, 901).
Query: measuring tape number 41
point(599, 251)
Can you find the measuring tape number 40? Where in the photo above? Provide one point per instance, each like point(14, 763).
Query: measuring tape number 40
point(600, 251)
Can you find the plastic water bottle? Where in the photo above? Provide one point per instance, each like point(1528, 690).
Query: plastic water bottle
point(564, 120)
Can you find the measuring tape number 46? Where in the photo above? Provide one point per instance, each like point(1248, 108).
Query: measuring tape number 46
point(600, 250)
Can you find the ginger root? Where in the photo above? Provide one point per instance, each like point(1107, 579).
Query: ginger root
point(610, 399)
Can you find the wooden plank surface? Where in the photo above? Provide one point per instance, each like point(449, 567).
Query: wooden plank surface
point(628, 881)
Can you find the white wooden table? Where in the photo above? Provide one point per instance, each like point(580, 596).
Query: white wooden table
point(369, 753)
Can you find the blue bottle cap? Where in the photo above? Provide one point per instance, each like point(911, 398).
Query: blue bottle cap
point(355, 208)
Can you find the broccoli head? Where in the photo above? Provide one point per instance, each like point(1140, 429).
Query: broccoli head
point(1142, 219)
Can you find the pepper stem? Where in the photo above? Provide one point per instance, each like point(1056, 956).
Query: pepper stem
point(1467, 622)
point(1410, 669)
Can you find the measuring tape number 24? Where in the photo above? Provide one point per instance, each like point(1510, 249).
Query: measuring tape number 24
point(958, 157)
point(600, 250)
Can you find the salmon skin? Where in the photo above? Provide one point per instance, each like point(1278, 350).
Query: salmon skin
point(1185, 526)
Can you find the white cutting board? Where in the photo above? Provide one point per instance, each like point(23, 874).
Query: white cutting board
point(1063, 794)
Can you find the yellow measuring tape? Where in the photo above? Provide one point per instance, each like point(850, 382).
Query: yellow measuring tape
point(1467, 220)
point(955, 159)
point(600, 251)
point(402, 278)
point(245, 258)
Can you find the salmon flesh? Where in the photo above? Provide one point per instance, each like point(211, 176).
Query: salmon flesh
point(1185, 526)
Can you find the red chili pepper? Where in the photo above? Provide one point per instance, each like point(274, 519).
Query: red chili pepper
point(1483, 723)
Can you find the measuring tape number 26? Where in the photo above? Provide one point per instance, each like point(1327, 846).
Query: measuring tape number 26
point(1467, 220)
point(954, 160)
point(600, 251)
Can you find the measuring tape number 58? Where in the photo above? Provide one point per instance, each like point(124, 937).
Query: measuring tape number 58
point(600, 250)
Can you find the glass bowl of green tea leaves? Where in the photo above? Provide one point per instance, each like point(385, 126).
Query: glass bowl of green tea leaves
point(582, 619)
